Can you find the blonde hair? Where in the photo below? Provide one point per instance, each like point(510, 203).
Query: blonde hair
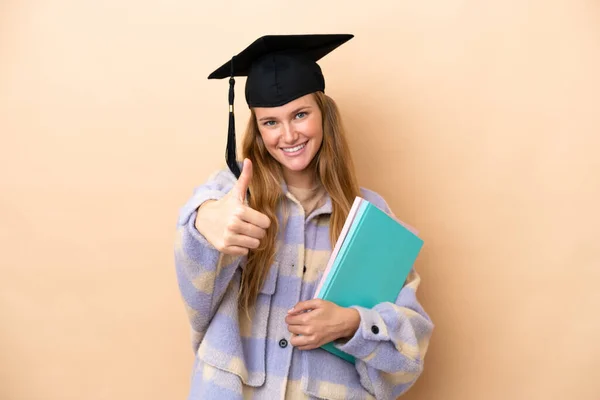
point(335, 170)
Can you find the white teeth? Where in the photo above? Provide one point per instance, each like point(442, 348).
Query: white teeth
point(294, 149)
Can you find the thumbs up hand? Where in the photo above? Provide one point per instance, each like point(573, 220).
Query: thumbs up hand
point(228, 224)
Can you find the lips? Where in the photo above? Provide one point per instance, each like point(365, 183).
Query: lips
point(293, 149)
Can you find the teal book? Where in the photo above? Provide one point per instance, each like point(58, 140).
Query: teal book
point(369, 263)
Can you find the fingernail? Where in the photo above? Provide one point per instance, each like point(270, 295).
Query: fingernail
point(291, 310)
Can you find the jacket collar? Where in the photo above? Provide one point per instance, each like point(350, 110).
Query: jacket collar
point(326, 208)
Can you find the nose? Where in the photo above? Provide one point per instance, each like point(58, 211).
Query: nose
point(290, 136)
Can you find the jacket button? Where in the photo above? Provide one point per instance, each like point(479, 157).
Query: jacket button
point(375, 329)
point(304, 269)
point(283, 343)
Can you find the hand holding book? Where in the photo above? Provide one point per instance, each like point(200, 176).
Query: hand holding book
point(316, 322)
point(369, 263)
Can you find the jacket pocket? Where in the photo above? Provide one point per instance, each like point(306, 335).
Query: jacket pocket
point(236, 343)
point(328, 377)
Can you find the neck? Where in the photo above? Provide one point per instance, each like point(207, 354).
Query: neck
point(306, 179)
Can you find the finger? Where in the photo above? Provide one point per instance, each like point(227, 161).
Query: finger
point(247, 229)
point(242, 241)
point(301, 340)
point(296, 319)
point(300, 330)
point(307, 305)
point(235, 251)
point(241, 186)
point(255, 218)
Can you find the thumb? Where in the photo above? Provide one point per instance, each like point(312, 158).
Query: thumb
point(241, 187)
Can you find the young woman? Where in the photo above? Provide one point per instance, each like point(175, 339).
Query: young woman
point(254, 240)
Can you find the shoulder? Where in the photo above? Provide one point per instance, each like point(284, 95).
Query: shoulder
point(222, 178)
point(376, 199)
point(217, 185)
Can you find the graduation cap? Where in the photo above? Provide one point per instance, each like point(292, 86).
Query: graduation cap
point(280, 68)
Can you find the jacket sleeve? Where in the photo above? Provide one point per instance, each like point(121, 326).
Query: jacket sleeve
point(203, 273)
point(391, 342)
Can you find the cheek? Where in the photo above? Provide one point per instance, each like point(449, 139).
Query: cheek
point(269, 138)
point(311, 129)
point(316, 131)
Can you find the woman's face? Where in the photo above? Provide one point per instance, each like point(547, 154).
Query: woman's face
point(292, 133)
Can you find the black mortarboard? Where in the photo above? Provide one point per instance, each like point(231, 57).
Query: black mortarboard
point(280, 68)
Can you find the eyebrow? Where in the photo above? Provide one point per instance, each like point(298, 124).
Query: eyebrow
point(296, 111)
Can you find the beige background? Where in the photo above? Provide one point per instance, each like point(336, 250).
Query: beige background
point(478, 121)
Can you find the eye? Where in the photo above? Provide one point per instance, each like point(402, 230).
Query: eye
point(269, 123)
point(301, 114)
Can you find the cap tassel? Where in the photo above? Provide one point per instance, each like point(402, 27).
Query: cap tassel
point(230, 154)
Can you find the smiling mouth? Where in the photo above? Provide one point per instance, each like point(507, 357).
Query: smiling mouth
point(293, 149)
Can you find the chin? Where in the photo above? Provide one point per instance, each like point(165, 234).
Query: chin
point(296, 166)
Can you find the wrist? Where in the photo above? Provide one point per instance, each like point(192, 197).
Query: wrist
point(201, 213)
point(352, 323)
